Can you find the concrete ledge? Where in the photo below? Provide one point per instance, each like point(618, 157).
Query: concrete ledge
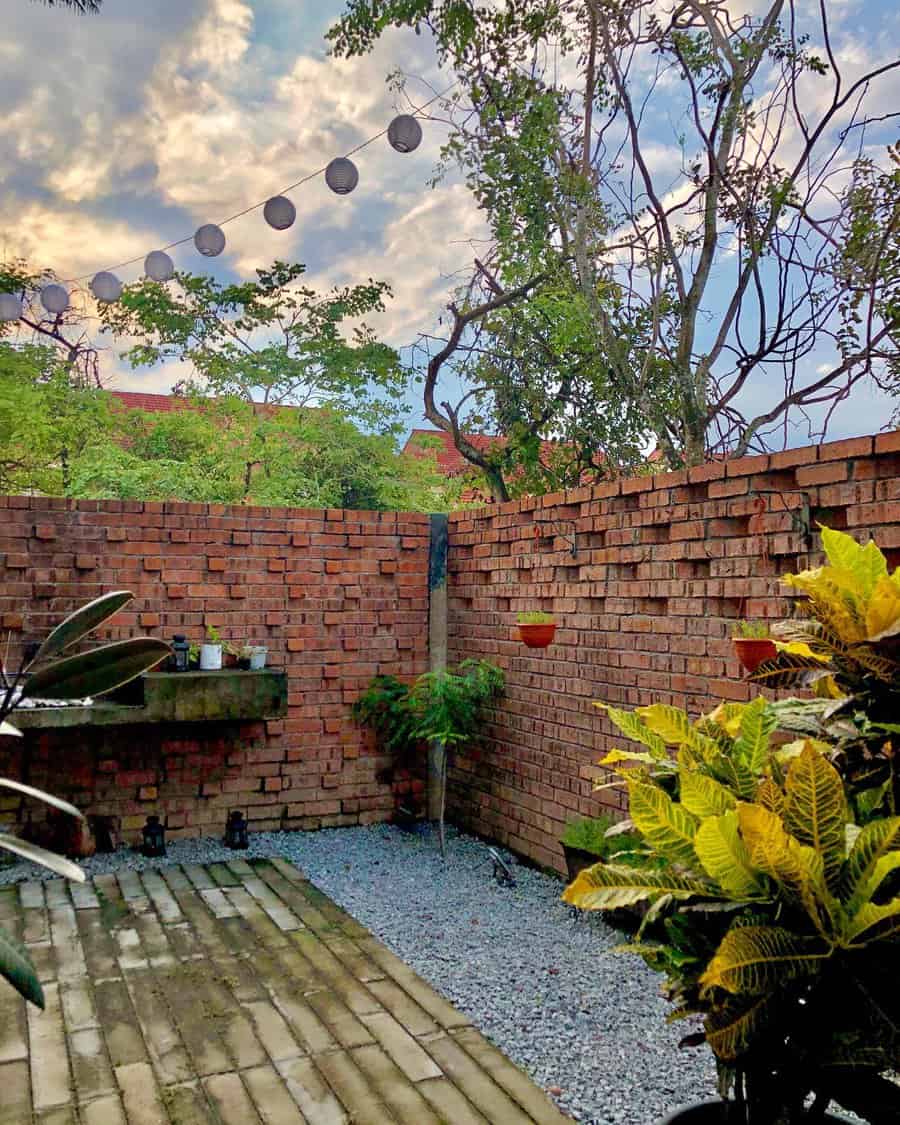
point(176, 697)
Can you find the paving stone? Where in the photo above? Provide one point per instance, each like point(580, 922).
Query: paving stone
point(283, 918)
point(395, 999)
point(15, 1082)
point(356, 996)
point(104, 1111)
point(231, 1100)
point(64, 1115)
point(519, 1087)
point(393, 1087)
point(354, 1092)
point(273, 1103)
point(355, 960)
point(221, 876)
point(119, 1023)
point(79, 1009)
point(482, 1091)
point(451, 1103)
point(273, 1031)
point(160, 895)
point(161, 1038)
point(415, 1063)
point(217, 902)
point(310, 1031)
point(50, 1081)
point(412, 984)
point(56, 892)
point(70, 963)
point(9, 905)
point(344, 1025)
point(140, 1095)
point(91, 1071)
point(13, 1026)
point(312, 1093)
point(199, 877)
point(84, 897)
point(187, 1104)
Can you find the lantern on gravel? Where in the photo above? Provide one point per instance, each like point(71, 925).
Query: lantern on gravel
point(158, 266)
point(279, 212)
point(210, 240)
point(341, 175)
point(10, 306)
point(54, 298)
point(404, 133)
point(106, 287)
point(154, 837)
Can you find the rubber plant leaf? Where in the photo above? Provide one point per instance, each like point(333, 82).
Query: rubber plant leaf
point(50, 860)
point(16, 967)
point(870, 859)
point(607, 886)
point(666, 826)
point(703, 796)
point(636, 729)
point(97, 671)
point(756, 960)
point(82, 622)
point(725, 858)
point(815, 809)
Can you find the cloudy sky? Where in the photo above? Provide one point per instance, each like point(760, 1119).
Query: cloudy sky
point(126, 130)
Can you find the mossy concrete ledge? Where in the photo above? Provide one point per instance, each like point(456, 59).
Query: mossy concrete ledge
point(176, 697)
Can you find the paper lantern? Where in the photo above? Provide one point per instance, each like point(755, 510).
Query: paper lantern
point(10, 306)
point(404, 133)
point(341, 175)
point(158, 266)
point(210, 240)
point(54, 298)
point(279, 212)
point(106, 287)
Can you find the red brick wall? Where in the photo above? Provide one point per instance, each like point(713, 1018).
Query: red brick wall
point(337, 596)
point(664, 564)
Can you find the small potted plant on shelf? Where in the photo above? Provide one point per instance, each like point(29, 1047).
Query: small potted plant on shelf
point(243, 657)
point(536, 628)
point(211, 650)
point(587, 840)
point(753, 644)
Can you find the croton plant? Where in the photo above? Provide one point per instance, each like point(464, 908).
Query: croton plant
point(771, 858)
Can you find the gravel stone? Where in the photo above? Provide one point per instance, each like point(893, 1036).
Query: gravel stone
point(538, 978)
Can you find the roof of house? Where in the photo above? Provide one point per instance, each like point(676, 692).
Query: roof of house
point(155, 404)
point(449, 459)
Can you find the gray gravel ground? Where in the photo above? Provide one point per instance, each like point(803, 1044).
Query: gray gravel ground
point(542, 982)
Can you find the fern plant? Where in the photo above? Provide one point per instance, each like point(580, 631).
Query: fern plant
point(779, 930)
point(53, 674)
point(445, 708)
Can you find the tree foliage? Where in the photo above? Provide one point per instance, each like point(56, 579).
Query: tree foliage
point(691, 190)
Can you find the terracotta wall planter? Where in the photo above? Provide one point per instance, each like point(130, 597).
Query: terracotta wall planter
point(537, 636)
point(753, 651)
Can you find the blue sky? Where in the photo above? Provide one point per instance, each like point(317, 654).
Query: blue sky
point(125, 131)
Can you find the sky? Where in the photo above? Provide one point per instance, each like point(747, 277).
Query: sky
point(125, 131)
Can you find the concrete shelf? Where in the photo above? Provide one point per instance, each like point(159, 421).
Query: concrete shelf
point(225, 696)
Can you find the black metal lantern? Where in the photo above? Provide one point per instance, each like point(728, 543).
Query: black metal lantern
point(404, 133)
point(341, 175)
point(181, 653)
point(236, 831)
point(154, 837)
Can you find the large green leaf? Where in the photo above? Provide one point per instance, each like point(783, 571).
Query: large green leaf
point(82, 622)
point(16, 966)
point(815, 809)
point(731, 1028)
point(725, 858)
point(40, 795)
point(875, 923)
point(665, 825)
point(636, 729)
point(758, 721)
point(97, 671)
point(875, 852)
point(607, 886)
point(756, 960)
point(50, 860)
point(675, 727)
point(703, 796)
point(867, 564)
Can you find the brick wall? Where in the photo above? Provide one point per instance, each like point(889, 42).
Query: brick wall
point(663, 566)
point(337, 596)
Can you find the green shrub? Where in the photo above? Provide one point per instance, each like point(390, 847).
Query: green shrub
point(535, 617)
point(589, 835)
point(751, 630)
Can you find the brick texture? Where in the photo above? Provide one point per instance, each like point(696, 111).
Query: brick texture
point(310, 585)
point(663, 567)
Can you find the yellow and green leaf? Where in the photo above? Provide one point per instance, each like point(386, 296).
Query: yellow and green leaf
point(752, 744)
point(874, 923)
point(815, 809)
point(704, 796)
point(756, 960)
point(633, 727)
point(675, 727)
point(666, 826)
point(883, 610)
point(725, 858)
point(732, 1028)
point(608, 886)
point(870, 859)
point(866, 563)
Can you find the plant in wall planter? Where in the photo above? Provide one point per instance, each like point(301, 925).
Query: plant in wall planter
point(780, 919)
point(211, 650)
point(444, 709)
point(536, 629)
point(753, 644)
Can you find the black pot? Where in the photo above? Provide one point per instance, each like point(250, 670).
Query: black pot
point(577, 859)
point(720, 1113)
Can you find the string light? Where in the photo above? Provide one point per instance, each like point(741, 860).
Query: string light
point(55, 299)
point(158, 266)
point(10, 306)
point(210, 240)
point(279, 212)
point(341, 175)
point(106, 287)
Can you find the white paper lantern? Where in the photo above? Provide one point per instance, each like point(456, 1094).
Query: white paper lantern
point(106, 287)
point(279, 212)
point(54, 298)
point(210, 240)
point(10, 306)
point(404, 133)
point(341, 175)
point(158, 266)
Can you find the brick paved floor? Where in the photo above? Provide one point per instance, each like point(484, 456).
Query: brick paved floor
point(235, 994)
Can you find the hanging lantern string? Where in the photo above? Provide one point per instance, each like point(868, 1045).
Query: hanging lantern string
point(284, 191)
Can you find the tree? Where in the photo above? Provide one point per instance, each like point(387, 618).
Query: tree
point(269, 340)
point(689, 184)
point(80, 6)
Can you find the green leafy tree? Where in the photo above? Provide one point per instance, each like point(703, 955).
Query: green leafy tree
point(683, 285)
point(272, 340)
